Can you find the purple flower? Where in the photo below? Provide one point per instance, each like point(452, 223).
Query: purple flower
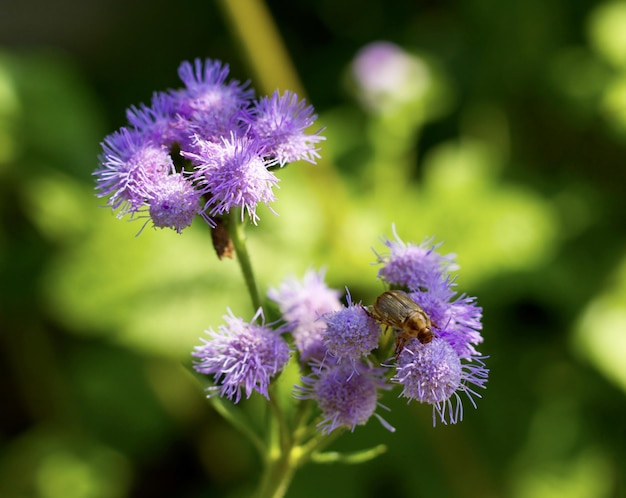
point(280, 121)
point(346, 394)
point(302, 303)
point(425, 272)
point(241, 355)
point(433, 373)
point(231, 174)
point(130, 166)
point(208, 94)
point(437, 371)
point(212, 133)
point(415, 266)
point(458, 320)
point(350, 332)
point(174, 202)
point(388, 78)
point(157, 122)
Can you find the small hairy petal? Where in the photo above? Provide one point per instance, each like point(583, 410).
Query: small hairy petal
point(241, 356)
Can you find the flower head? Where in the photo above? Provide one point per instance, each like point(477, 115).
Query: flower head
point(433, 373)
point(388, 78)
point(302, 304)
point(212, 132)
point(241, 356)
point(436, 371)
point(157, 121)
point(130, 166)
point(347, 395)
point(457, 319)
point(351, 332)
point(174, 202)
point(280, 122)
point(208, 93)
point(233, 173)
point(415, 266)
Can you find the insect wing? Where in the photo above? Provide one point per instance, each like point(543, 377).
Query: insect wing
point(394, 307)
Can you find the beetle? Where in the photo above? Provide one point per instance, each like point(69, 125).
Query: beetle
point(396, 309)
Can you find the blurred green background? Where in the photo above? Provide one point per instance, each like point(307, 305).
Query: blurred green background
point(512, 152)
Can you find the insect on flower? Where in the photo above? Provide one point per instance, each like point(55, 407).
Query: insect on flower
point(396, 309)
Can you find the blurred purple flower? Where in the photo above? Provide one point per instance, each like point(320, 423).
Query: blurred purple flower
point(388, 77)
point(302, 303)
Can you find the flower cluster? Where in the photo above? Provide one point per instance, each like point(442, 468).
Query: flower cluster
point(435, 372)
point(344, 357)
point(203, 150)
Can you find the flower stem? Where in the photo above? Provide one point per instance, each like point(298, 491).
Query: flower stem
point(235, 227)
point(279, 471)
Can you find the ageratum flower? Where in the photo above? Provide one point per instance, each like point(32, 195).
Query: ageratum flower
point(433, 373)
point(158, 122)
point(208, 94)
point(130, 167)
point(241, 356)
point(415, 266)
point(302, 304)
point(212, 132)
point(280, 122)
point(351, 332)
point(346, 394)
point(233, 173)
point(387, 78)
point(437, 371)
point(174, 202)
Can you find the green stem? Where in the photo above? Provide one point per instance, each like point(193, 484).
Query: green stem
point(236, 231)
point(238, 422)
point(279, 471)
